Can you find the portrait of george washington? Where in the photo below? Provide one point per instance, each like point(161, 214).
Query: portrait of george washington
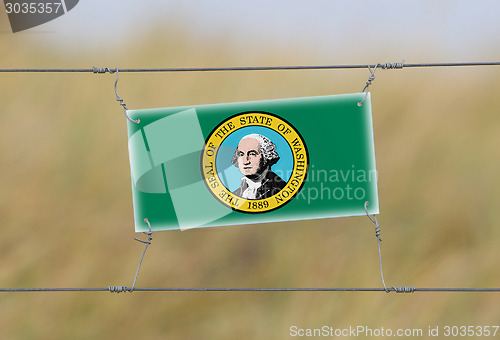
point(254, 157)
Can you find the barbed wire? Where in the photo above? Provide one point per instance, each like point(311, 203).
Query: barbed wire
point(398, 65)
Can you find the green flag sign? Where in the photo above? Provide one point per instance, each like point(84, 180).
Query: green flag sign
point(252, 162)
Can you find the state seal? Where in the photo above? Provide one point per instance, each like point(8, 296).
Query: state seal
point(254, 162)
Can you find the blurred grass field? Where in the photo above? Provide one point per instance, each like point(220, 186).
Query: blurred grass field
point(66, 207)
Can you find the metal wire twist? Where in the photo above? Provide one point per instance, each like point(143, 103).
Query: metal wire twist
point(377, 234)
point(371, 78)
point(392, 66)
point(122, 289)
point(379, 239)
point(147, 242)
point(118, 99)
point(368, 83)
point(117, 289)
point(404, 289)
point(102, 70)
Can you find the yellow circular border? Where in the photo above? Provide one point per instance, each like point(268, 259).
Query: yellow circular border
point(264, 119)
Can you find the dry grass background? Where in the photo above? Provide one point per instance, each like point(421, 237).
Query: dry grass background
point(66, 208)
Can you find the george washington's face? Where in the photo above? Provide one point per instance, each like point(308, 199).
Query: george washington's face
point(249, 157)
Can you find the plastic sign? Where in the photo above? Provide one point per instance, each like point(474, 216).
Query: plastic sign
point(252, 162)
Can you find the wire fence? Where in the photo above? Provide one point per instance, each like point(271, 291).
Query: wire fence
point(397, 65)
point(123, 289)
point(371, 67)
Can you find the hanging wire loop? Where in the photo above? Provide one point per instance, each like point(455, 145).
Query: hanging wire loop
point(103, 70)
point(377, 235)
point(368, 83)
point(147, 243)
point(122, 289)
point(371, 78)
point(118, 99)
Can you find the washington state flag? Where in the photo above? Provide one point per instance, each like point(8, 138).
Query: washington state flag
point(252, 162)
